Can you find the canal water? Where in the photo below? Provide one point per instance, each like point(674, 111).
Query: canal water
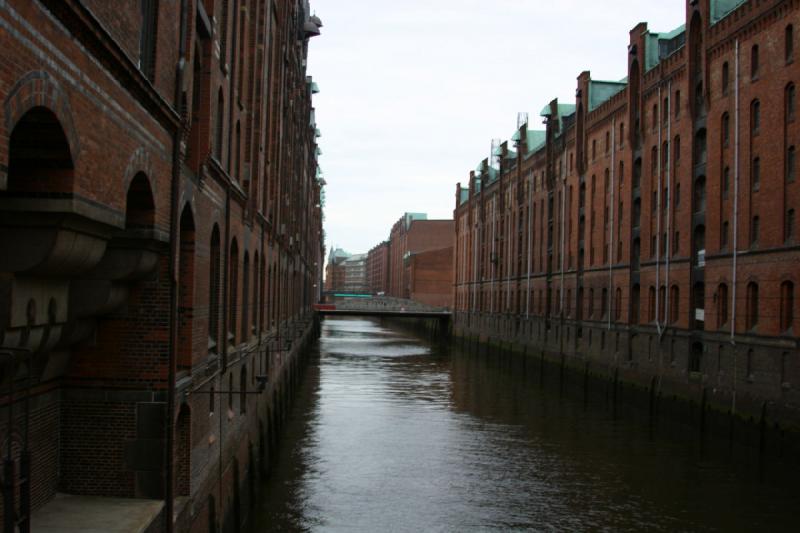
point(390, 432)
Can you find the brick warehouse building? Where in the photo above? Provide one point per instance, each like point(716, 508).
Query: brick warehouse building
point(160, 246)
point(649, 232)
point(414, 234)
point(378, 268)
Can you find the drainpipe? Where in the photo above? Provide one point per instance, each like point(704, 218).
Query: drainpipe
point(611, 224)
point(173, 280)
point(234, 66)
point(563, 226)
point(735, 221)
point(493, 258)
point(669, 205)
point(659, 327)
point(530, 229)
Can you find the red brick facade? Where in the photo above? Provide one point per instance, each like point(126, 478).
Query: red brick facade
point(160, 231)
point(378, 268)
point(411, 235)
point(653, 221)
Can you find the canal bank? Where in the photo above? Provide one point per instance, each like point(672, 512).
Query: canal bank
point(657, 383)
point(247, 437)
point(393, 431)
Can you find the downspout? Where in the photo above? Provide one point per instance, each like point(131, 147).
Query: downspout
point(611, 224)
point(563, 225)
point(735, 221)
point(659, 327)
point(234, 65)
point(530, 226)
point(493, 258)
point(668, 171)
point(169, 493)
point(475, 231)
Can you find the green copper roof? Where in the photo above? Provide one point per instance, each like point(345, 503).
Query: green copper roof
point(563, 110)
point(659, 46)
point(720, 8)
point(536, 139)
point(602, 91)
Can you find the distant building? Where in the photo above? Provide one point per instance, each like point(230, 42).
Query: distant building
point(411, 276)
point(355, 273)
point(335, 271)
point(378, 268)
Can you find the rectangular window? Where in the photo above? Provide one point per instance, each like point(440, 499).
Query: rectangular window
point(754, 62)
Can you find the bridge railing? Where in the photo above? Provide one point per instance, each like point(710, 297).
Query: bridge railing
point(385, 303)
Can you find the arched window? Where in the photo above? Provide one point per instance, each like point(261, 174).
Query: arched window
point(237, 169)
point(789, 104)
point(752, 305)
point(243, 389)
point(701, 146)
point(651, 304)
point(223, 33)
point(213, 291)
point(635, 297)
point(755, 173)
point(789, 232)
point(723, 235)
point(726, 181)
point(722, 305)
point(186, 289)
point(755, 117)
point(791, 164)
point(788, 46)
point(258, 281)
point(755, 230)
point(245, 334)
point(653, 161)
point(233, 296)
point(674, 303)
point(725, 77)
point(726, 129)
point(754, 63)
point(230, 391)
point(219, 123)
point(148, 37)
point(604, 302)
point(787, 306)
point(700, 194)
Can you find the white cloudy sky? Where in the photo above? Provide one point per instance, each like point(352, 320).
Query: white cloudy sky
point(413, 91)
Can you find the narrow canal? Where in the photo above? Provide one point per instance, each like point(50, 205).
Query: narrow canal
point(392, 433)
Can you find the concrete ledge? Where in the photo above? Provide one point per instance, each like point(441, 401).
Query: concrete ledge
point(94, 514)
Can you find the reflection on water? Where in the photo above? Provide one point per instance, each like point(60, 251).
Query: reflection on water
point(392, 434)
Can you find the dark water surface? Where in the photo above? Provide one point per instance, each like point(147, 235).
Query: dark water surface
point(390, 433)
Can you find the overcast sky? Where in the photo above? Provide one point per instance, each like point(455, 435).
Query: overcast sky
point(413, 91)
